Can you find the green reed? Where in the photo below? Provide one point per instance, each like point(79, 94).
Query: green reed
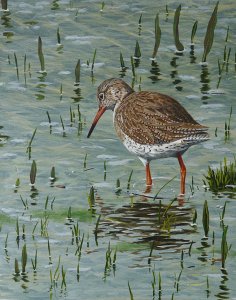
point(157, 36)
point(58, 36)
point(33, 231)
point(69, 214)
point(53, 174)
point(85, 160)
point(40, 55)
point(35, 261)
point(4, 4)
point(44, 226)
point(222, 215)
point(93, 60)
point(102, 6)
point(224, 247)
point(122, 63)
point(17, 269)
point(91, 200)
point(209, 37)
point(77, 72)
point(137, 51)
point(24, 259)
point(140, 24)
point(16, 63)
point(29, 147)
point(179, 46)
point(6, 240)
point(79, 247)
point(205, 218)
point(130, 292)
point(17, 228)
point(227, 35)
point(177, 281)
point(49, 253)
point(129, 180)
point(194, 30)
point(132, 66)
point(33, 172)
point(25, 63)
point(153, 282)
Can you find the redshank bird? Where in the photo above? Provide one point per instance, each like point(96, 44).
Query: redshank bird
point(149, 124)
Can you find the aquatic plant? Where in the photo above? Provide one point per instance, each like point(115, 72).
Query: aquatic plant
point(40, 55)
point(179, 46)
point(77, 72)
point(209, 37)
point(157, 36)
point(221, 178)
point(194, 30)
point(205, 218)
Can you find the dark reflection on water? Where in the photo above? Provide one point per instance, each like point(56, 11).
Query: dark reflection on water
point(192, 55)
point(155, 71)
point(174, 73)
point(205, 80)
point(6, 19)
point(162, 225)
point(77, 92)
point(224, 290)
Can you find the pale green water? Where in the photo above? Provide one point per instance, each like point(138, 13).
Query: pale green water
point(129, 223)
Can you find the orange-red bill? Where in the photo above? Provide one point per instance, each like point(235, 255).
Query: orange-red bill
point(99, 113)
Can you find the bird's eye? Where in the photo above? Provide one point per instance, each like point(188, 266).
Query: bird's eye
point(101, 96)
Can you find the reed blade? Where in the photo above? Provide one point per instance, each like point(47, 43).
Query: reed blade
point(4, 4)
point(157, 36)
point(194, 30)
point(205, 218)
point(33, 172)
point(77, 72)
point(209, 37)
point(40, 54)
point(179, 46)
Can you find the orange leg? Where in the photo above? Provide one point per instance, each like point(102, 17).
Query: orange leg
point(182, 173)
point(148, 175)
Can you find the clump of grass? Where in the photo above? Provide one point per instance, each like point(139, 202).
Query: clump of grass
point(223, 177)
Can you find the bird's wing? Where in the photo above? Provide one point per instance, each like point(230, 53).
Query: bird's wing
point(153, 118)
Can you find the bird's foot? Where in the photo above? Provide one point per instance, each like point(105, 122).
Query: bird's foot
point(181, 199)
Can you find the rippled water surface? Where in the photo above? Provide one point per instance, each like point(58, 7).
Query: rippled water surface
point(90, 232)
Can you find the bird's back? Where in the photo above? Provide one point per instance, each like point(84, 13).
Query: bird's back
point(153, 118)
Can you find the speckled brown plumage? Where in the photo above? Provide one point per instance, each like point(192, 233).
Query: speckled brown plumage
point(154, 118)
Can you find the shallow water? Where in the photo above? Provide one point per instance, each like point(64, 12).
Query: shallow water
point(150, 236)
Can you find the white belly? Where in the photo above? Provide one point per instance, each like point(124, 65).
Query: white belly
point(150, 152)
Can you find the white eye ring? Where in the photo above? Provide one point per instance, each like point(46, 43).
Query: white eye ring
point(101, 96)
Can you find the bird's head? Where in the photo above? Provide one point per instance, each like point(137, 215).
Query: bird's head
point(109, 93)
